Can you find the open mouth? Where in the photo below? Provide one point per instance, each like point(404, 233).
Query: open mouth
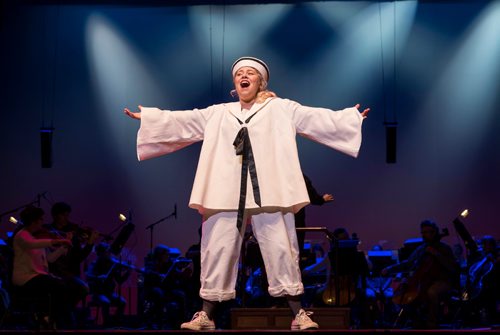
point(244, 83)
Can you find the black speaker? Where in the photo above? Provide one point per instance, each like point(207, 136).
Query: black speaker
point(390, 138)
point(46, 146)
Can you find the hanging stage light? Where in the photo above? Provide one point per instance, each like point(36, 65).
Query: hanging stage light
point(46, 146)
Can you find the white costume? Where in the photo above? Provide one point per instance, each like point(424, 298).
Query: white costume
point(215, 194)
point(272, 132)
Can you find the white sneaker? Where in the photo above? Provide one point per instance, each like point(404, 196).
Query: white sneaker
point(200, 321)
point(303, 321)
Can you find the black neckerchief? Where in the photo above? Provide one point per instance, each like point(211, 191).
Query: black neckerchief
point(243, 147)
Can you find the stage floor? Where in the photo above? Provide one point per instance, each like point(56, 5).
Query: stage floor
point(329, 331)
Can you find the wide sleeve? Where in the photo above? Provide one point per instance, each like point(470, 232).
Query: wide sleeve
point(340, 130)
point(163, 132)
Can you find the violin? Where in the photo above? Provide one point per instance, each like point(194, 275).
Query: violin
point(84, 233)
point(47, 233)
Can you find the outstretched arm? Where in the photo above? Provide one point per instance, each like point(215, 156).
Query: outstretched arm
point(340, 130)
point(165, 131)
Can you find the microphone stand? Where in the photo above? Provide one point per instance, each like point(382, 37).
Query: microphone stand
point(151, 227)
point(37, 201)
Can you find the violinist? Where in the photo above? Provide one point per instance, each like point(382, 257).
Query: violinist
point(30, 274)
point(103, 275)
point(434, 275)
point(68, 266)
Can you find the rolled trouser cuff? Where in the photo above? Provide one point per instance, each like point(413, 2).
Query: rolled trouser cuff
point(217, 295)
point(280, 291)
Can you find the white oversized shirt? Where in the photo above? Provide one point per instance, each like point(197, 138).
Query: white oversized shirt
point(272, 133)
point(30, 257)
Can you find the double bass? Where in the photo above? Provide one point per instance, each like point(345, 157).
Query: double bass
point(421, 279)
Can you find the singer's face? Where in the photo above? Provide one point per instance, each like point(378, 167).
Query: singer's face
point(247, 83)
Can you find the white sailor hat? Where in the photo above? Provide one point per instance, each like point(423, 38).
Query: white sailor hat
point(256, 63)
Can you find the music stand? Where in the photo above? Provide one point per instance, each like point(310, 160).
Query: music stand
point(470, 244)
point(118, 244)
point(122, 238)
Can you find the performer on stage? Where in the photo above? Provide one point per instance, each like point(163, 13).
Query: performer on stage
point(30, 272)
point(434, 274)
point(262, 129)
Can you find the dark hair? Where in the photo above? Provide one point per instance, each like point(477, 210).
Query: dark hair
point(30, 214)
point(160, 250)
point(60, 208)
point(429, 223)
point(339, 231)
point(488, 239)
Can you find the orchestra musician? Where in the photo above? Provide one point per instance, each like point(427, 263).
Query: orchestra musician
point(68, 266)
point(165, 281)
point(484, 281)
point(434, 275)
point(30, 272)
point(104, 274)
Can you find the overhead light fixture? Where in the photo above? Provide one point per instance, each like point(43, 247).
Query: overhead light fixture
point(46, 146)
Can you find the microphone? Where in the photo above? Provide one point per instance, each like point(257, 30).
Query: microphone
point(175, 211)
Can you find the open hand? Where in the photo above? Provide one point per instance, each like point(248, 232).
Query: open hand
point(365, 112)
point(133, 115)
point(327, 197)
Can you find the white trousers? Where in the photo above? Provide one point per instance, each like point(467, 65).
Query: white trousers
point(220, 253)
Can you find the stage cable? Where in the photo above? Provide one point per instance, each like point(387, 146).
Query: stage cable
point(212, 90)
point(222, 51)
point(395, 118)
point(384, 94)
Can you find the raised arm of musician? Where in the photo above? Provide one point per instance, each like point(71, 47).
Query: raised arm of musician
point(405, 266)
point(62, 249)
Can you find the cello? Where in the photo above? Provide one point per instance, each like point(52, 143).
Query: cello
point(420, 280)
